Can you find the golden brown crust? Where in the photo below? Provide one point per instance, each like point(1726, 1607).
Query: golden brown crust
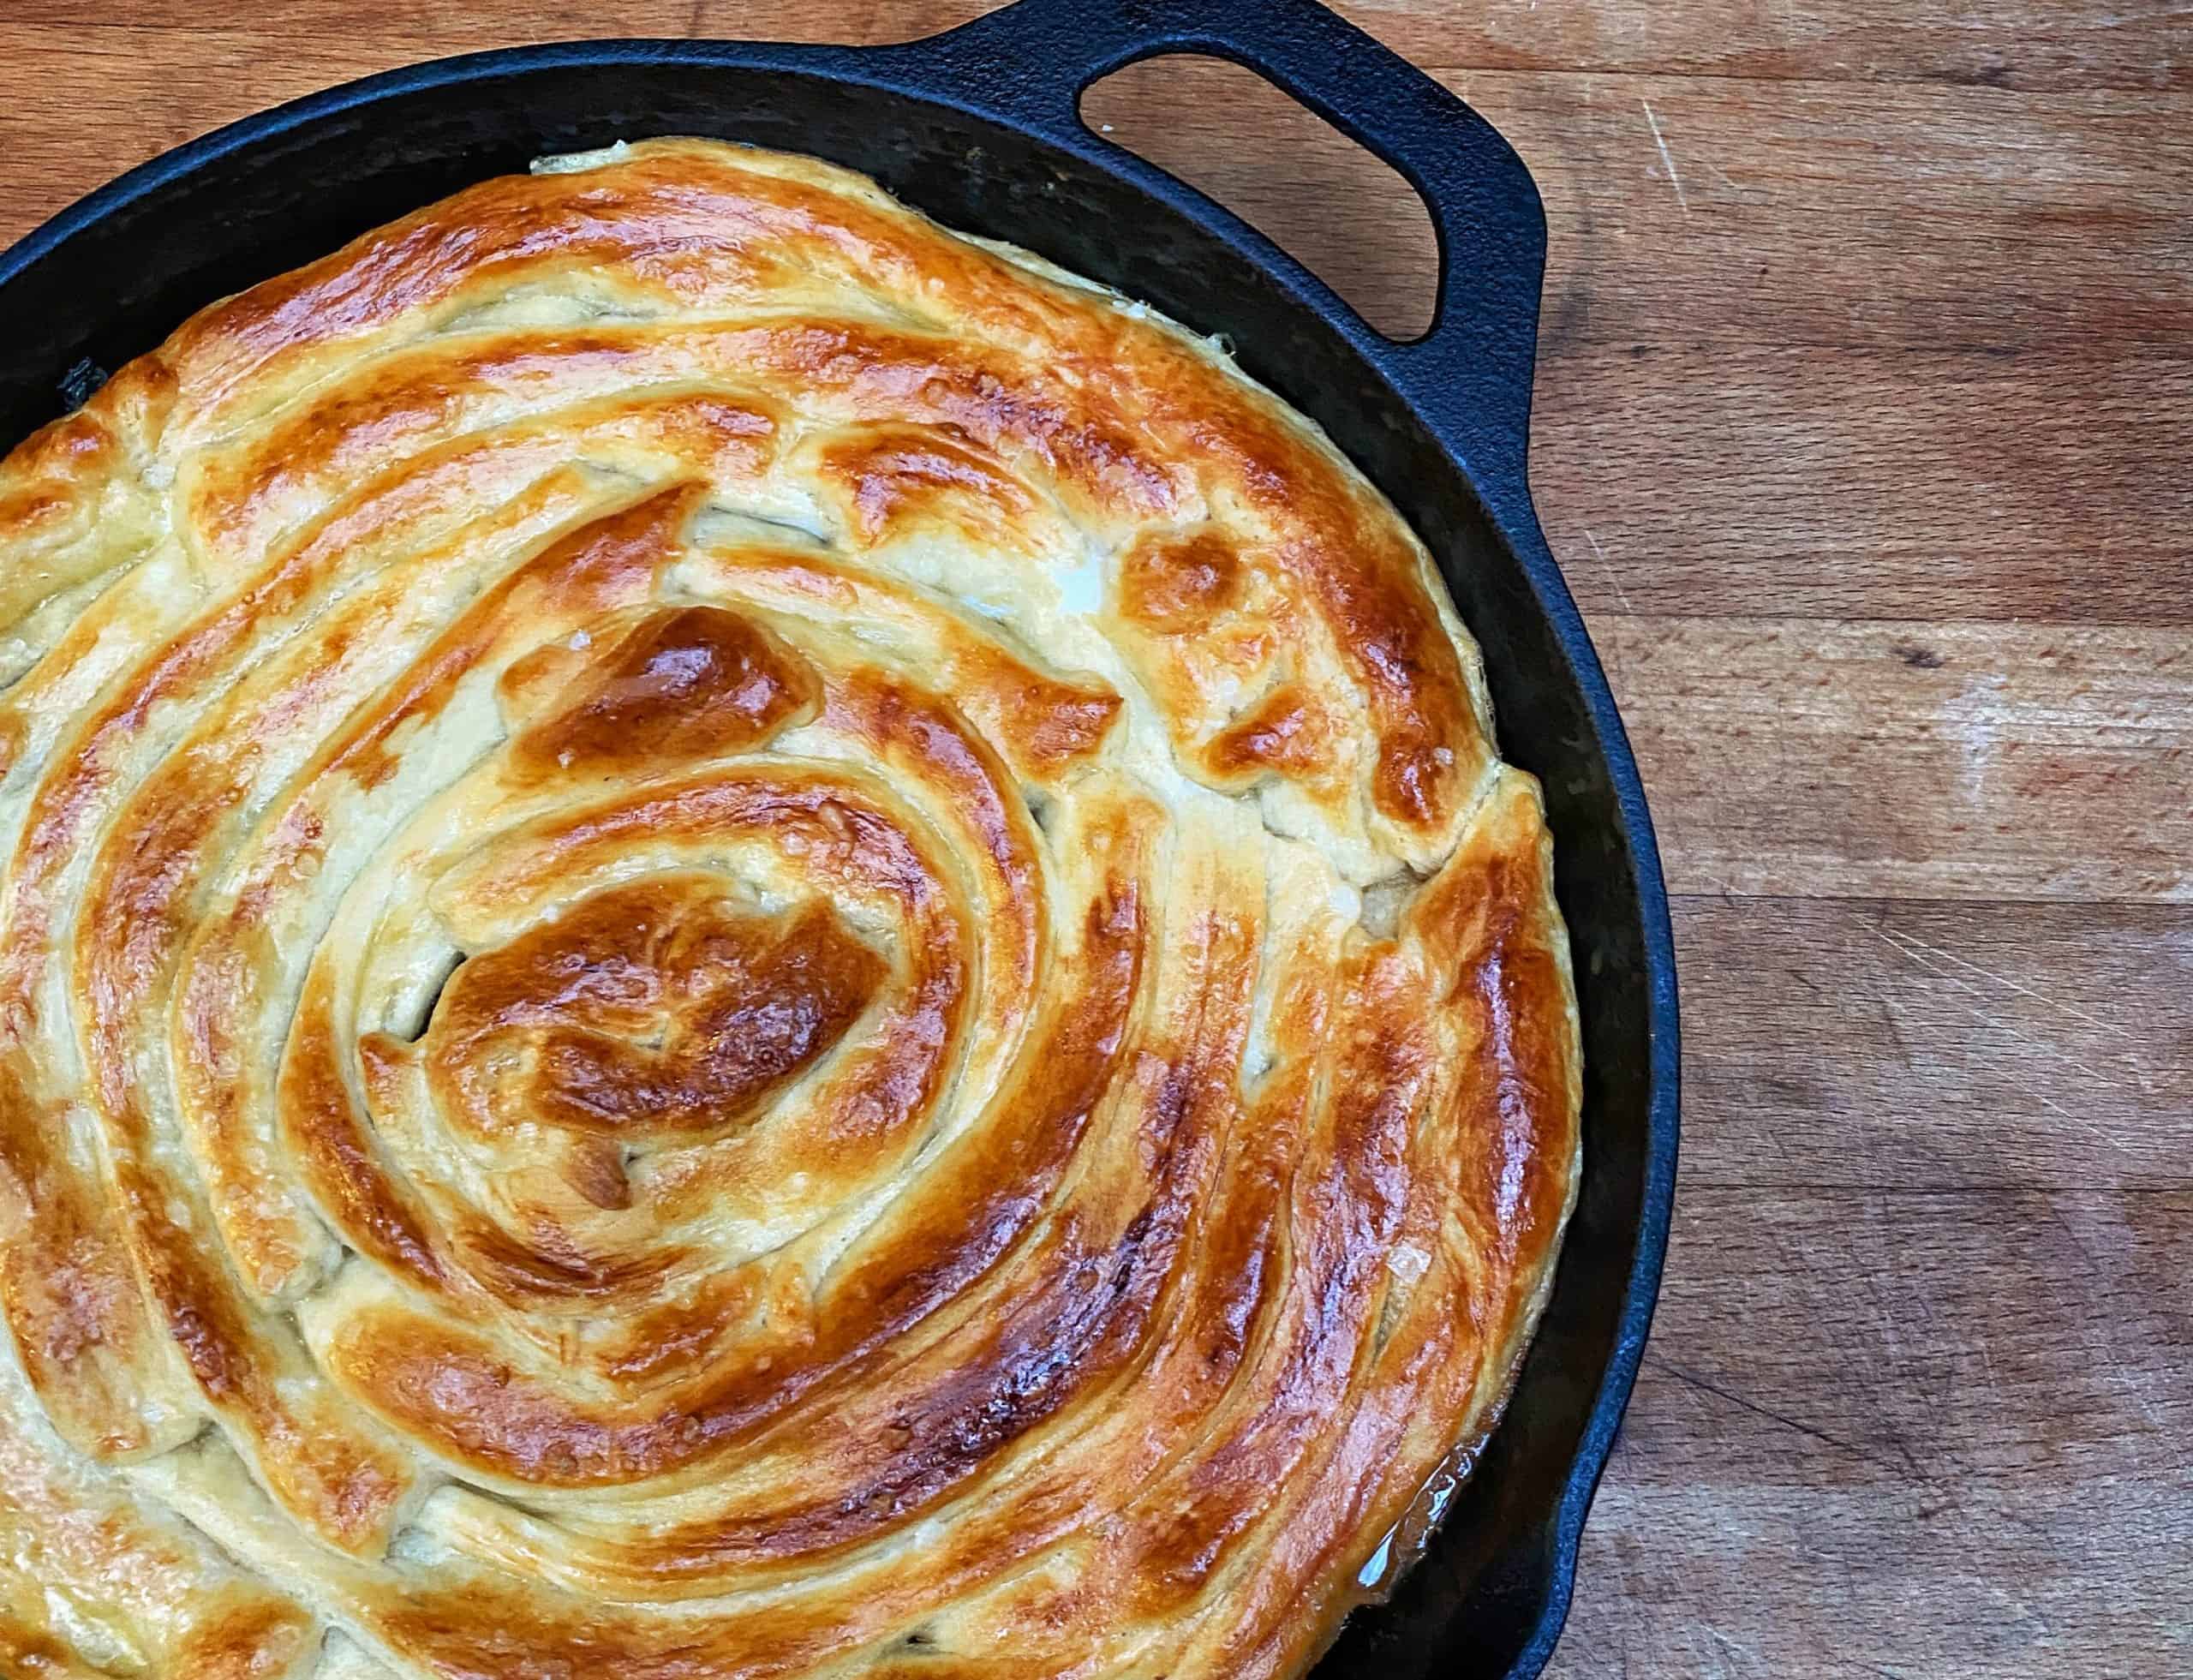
point(686, 986)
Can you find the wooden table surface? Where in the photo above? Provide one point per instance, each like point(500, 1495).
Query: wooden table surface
point(1865, 434)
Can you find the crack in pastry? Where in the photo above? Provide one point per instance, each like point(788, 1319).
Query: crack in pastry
point(738, 940)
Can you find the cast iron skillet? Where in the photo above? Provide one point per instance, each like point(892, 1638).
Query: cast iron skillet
point(979, 127)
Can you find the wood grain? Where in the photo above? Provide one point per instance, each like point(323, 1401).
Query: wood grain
point(1865, 408)
point(1839, 1046)
point(1901, 484)
point(1903, 1432)
point(1911, 251)
point(1993, 43)
point(1905, 758)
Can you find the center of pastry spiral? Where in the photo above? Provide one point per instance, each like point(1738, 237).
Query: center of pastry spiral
point(652, 1011)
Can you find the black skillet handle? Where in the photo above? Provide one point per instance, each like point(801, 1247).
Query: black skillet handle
point(1469, 377)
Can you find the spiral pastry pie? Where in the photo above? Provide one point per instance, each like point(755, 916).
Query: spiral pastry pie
point(738, 940)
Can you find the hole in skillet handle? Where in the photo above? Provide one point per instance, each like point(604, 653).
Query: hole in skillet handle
point(1341, 210)
point(1467, 380)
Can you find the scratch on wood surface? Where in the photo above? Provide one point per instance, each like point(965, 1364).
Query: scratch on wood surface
point(1667, 158)
point(1614, 575)
point(1923, 954)
point(1908, 1466)
point(1724, 1645)
point(2135, 1388)
point(1995, 1023)
point(2096, 1334)
point(2012, 985)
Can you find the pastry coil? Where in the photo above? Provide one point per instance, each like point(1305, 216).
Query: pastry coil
point(738, 939)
